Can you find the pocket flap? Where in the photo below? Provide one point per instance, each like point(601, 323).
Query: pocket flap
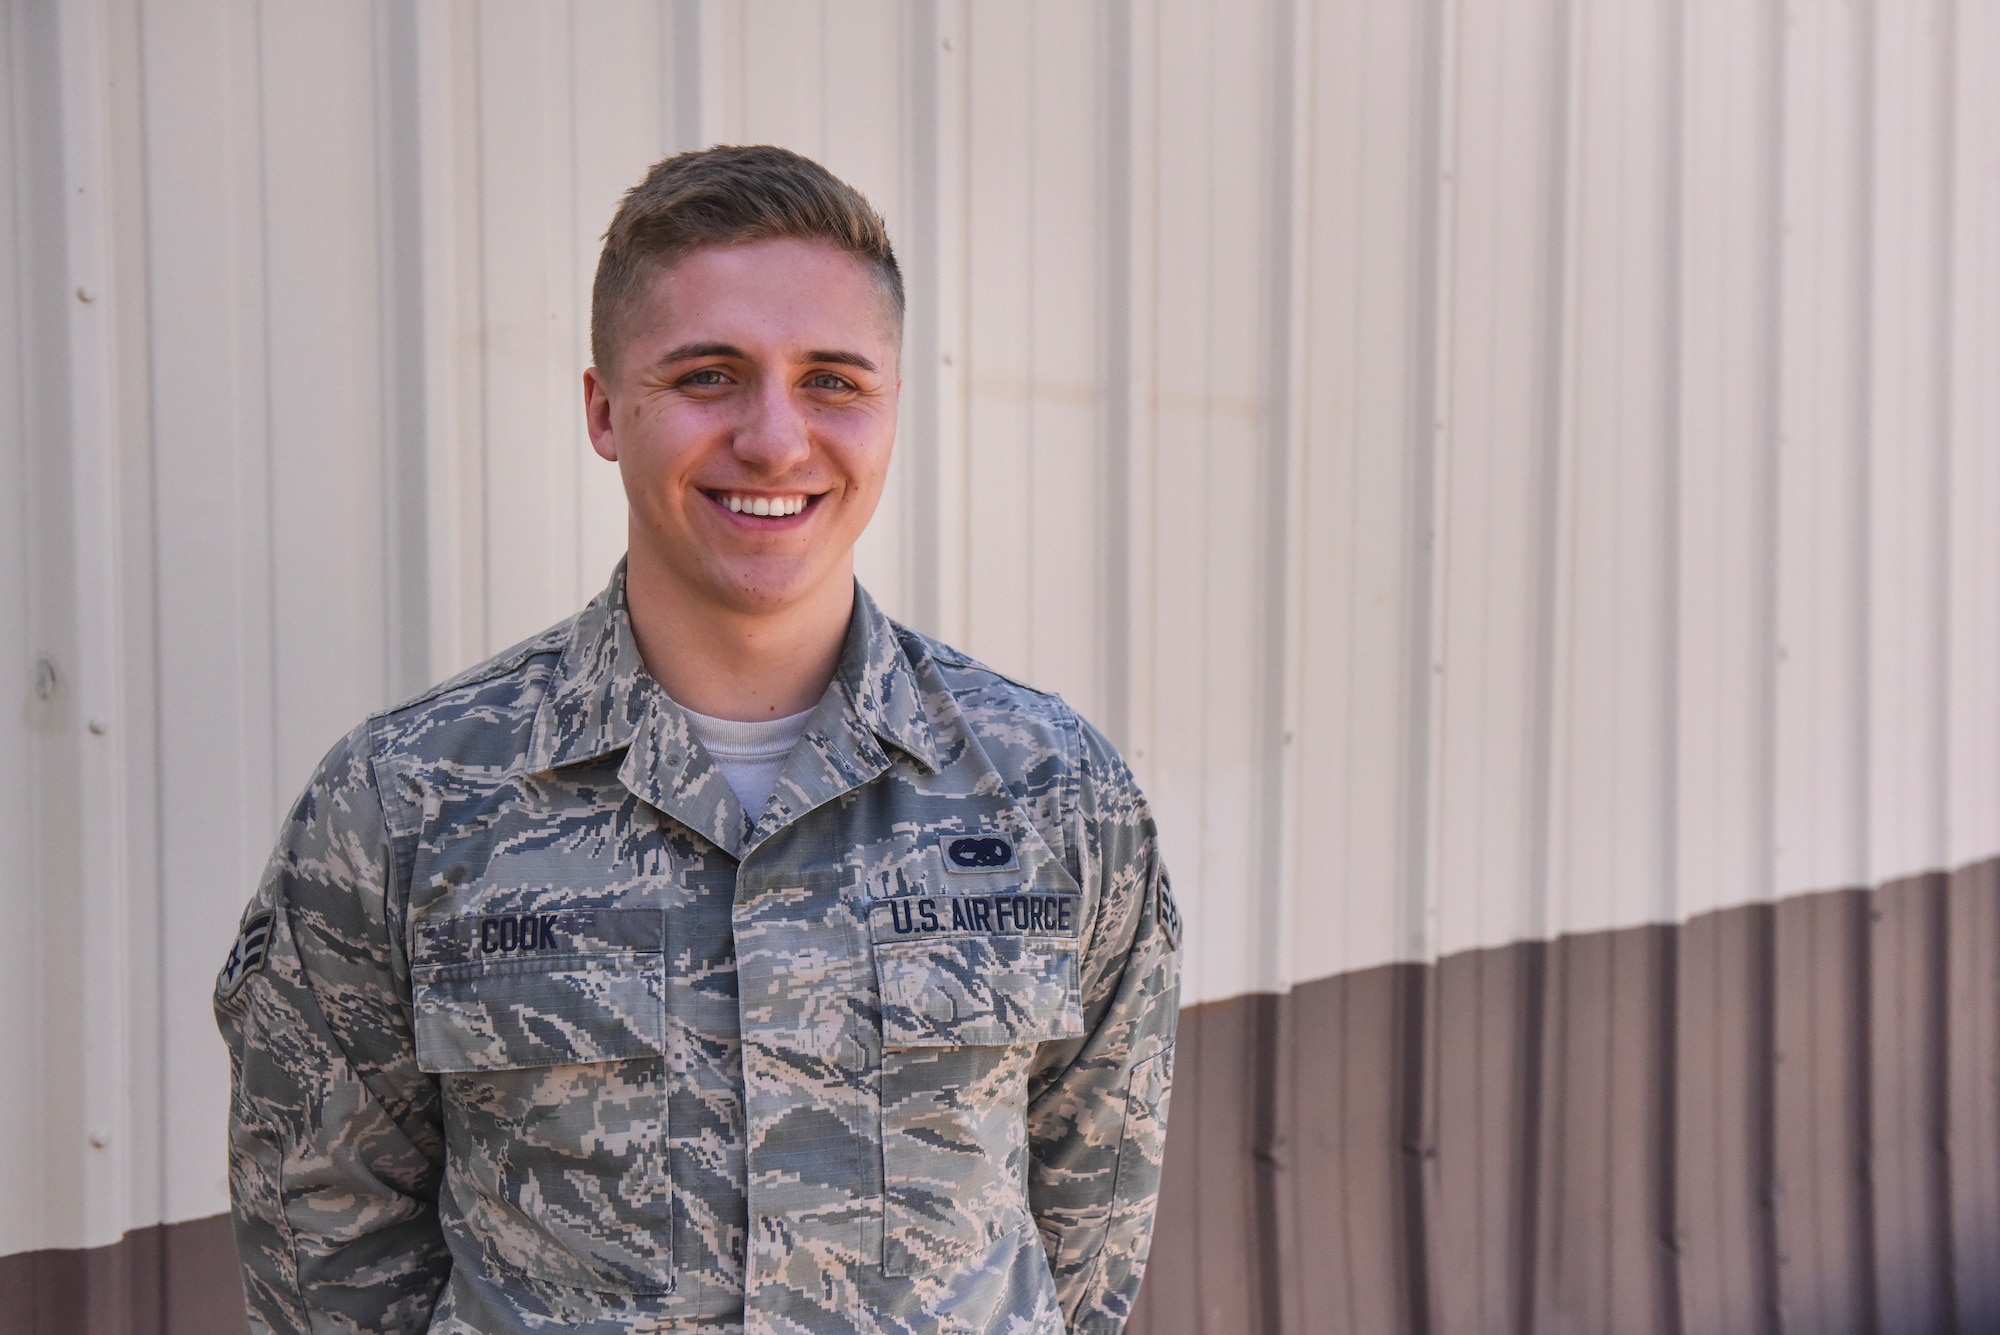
point(978, 990)
point(506, 1014)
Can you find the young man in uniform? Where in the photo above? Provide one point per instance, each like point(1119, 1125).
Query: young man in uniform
point(727, 956)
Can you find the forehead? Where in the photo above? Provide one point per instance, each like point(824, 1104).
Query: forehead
point(780, 289)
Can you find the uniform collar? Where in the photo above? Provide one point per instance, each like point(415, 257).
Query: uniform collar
point(601, 691)
point(603, 699)
point(880, 685)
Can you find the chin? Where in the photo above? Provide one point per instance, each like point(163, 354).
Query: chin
point(762, 596)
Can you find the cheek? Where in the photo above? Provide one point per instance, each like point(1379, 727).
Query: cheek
point(659, 443)
point(861, 450)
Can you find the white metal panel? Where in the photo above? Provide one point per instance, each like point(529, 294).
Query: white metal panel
point(1908, 276)
point(1210, 484)
point(536, 451)
point(1821, 818)
point(1493, 431)
point(103, 974)
point(32, 702)
point(446, 346)
point(1973, 420)
point(1001, 392)
point(1366, 327)
point(621, 128)
point(1610, 755)
point(213, 576)
point(1725, 457)
point(319, 203)
point(81, 877)
point(1034, 498)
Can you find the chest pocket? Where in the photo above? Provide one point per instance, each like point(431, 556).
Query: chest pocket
point(552, 1061)
point(970, 983)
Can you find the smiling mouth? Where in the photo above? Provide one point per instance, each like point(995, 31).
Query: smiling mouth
point(775, 507)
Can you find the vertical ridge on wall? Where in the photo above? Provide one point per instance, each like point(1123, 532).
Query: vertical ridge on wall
point(1971, 1142)
point(1280, 682)
point(405, 501)
point(1974, 424)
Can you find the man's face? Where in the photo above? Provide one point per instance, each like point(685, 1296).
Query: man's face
point(751, 411)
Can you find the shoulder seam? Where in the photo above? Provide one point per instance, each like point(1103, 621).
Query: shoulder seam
point(940, 652)
point(402, 857)
point(501, 665)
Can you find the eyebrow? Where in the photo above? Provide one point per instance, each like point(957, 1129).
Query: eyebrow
point(689, 351)
point(838, 358)
point(831, 356)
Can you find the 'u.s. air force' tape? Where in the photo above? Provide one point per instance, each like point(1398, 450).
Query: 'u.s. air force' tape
point(253, 945)
point(1027, 913)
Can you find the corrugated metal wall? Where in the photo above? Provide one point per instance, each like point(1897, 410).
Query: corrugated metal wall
point(1518, 478)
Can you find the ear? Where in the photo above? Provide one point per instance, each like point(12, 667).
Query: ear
point(597, 414)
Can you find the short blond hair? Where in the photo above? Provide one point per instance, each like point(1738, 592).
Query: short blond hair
point(725, 196)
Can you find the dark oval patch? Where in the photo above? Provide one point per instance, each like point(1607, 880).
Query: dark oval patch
point(980, 852)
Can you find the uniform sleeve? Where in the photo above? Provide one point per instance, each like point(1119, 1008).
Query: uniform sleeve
point(335, 1144)
point(1097, 1121)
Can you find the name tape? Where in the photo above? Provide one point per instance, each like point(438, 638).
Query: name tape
point(540, 932)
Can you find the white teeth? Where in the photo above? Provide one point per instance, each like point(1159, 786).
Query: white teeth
point(777, 507)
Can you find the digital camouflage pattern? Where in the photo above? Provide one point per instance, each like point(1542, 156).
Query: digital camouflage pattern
point(533, 1027)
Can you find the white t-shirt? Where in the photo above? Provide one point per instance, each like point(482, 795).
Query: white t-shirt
point(750, 755)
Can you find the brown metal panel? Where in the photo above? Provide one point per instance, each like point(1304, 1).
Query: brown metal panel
point(1820, 1114)
point(1972, 1066)
point(173, 1279)
point(1169, 1301)
point(1275, 1162)
point(1607, 1264)
point(17, 1289)
point(1204, 1274)
point(42, 1293)
point(1579, 1271)
point(1488, 1001)
point(1642, 1133)
point(1336, 1150)
point(1722, 1123)
point(1326, 1100)
point(1353, 1053)
point(1906, 1047)
point(1225, 1176)
point(200, 1279)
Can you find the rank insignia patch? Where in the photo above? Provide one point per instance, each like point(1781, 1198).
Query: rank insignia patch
point(1169, 914)
point(247, 956)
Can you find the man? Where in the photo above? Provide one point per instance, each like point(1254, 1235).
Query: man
point(727, 956)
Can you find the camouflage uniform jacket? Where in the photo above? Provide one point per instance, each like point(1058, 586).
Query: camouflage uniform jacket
point(531, 1026)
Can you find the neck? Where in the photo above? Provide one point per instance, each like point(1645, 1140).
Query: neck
point(735, 664)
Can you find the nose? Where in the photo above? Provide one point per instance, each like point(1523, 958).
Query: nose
point(774, 436)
